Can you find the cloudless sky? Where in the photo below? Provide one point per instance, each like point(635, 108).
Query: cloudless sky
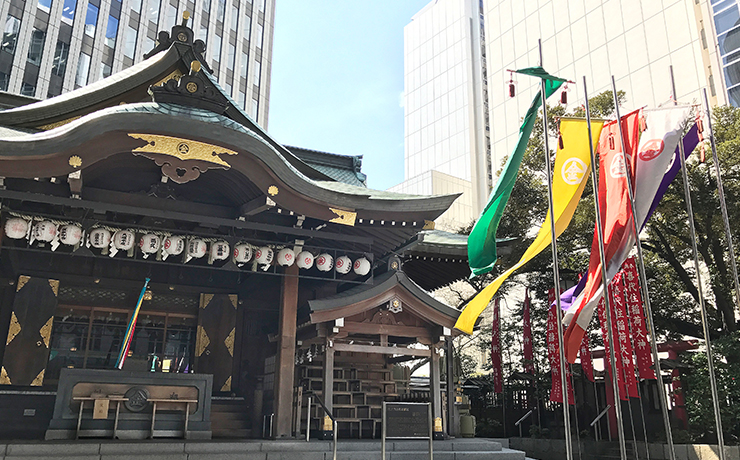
point(337, 80)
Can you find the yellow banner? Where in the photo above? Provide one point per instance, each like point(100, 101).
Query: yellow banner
point(572, 167)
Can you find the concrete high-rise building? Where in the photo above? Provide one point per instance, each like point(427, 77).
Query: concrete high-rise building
point(53, 46)
point(460, 120)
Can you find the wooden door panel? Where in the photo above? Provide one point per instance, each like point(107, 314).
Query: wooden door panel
point(214, 346)
point(27, 345)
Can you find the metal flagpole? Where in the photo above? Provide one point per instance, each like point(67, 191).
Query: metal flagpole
point(605, 283)
point(723, 204)
point(555, 271)
point(643, 283)
point(702, 306)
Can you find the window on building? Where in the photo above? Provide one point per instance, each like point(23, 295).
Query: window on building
point(36, 48)
point(257, 71)
point(10, 34)
point(83, 69)
point(231, 58)
point(148, 44)
point(206, 5)
point(44, 5)
point(136, 6)
point(61, 54)
point(216, 51)
point(170, 16)
point(247, 26)
point(105, 70)
point(242, 99)
point(68, 11)
point(235, 19)
point(258, 35)
point(4, 81)
point(228, 88)
point(255, 108)
point(28, 90)
point(261, 5)
point(91, 20)
point(129, 42)
point(221, 10)
point(245, 64)
point(110, 32)
point(153, 11)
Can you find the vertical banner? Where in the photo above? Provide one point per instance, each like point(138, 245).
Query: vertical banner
point(497, 370)
point(587, 363)
point(623, 350)
point(553, 354)
point(601, 310)
point(527, 340)
point(637, 320)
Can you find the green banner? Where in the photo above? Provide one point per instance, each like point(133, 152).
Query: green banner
point(482, 240)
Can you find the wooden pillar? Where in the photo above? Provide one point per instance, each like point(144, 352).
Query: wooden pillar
point(436, 396)
point(453, 420)
point(325, 431)
point(285, 366)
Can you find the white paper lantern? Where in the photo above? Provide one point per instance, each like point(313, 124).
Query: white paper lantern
point(263, 255)
point(343, 265)
point(99, 238)
point(44, 231)
point(220, 250)
point(286, 257)
point(70, 234)
point(324, 262)
point(242, 253)
point(362, 266)
point(123, 240)
point(305, 260)
point(197, 248)
point(174, 245)
point(16, 228)
point(149, 243)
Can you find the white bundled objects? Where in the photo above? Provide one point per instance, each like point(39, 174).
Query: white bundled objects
point(286, 257)
point(17, 228)
point(172, 246)
point(263, 255)
point(197, 248)
point(362, 266)
point(324, 262)
point(220, 250)
point(44, 231)
point(149, 244)
point(70, 234)
point(99, 238)
point(305, 260)
point(242, 253)
point(343, 265)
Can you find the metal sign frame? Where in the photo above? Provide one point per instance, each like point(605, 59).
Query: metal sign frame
point(384, 426)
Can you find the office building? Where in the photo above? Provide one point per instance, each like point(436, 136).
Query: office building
point(54, 46)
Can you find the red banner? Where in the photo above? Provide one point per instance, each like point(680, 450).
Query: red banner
point(587, 363)
point(497, 370)
point(637, 320)
point(553, 354)
point(527, 340)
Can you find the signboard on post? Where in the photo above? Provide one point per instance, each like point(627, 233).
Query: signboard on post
point(405, 420)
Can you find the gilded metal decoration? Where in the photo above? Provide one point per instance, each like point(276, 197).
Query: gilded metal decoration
point(428, 225)
point(39, 380)
point(229, 342)
point(182, 160)
point(56, 124)
point(182, 37)
point(192, 87)
point(227, 385)
point(206, 300)
point(4, 379)
point(75, 161)
point(54, 284)
point(14, 328)
point(394, 265)
point(344, 217)
point(234, 300)
point(174, 75)
point(137, 399)
point(395, 306)
point(22, 280)
point(438, 424)
point(272, 190)
point(327, 423)
point(201, 342)
point(45, 331)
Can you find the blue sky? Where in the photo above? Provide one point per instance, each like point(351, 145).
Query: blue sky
point(337, 80)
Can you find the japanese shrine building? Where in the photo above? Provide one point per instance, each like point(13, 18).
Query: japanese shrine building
point(273, 269)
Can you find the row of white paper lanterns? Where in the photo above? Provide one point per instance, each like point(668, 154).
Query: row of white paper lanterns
point(150, 243)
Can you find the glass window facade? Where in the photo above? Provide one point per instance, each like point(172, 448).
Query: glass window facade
point(136, 6)
point(245, 64)
point(105, 70)
point(44, 5)
point(235, 19)
point(10, 34)
point(129, 42)
point(83, 69)
point(221, 10)
point(170, 17)
point(111, 32)
point(727, 24)
point(153, 11)
point(91, 20)
point(36, 47)
point(257, 73)
point(247, 26)
point(61, 54)
point(216, 50)
point(68, 11)
point(28, 90)
point(4, 81)
point(258, 35)
point(231, 58)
